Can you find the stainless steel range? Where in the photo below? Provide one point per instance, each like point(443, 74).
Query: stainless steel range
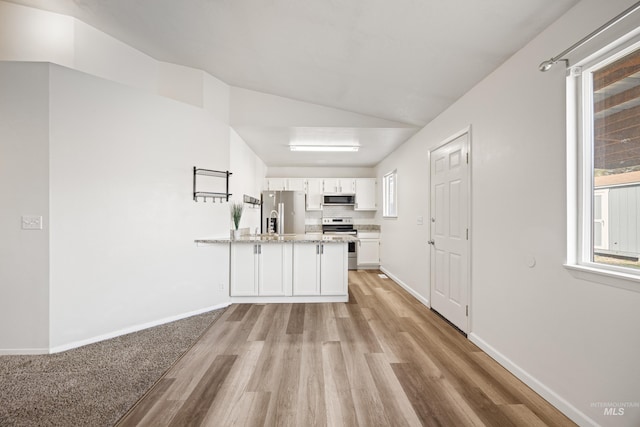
point(342, 225)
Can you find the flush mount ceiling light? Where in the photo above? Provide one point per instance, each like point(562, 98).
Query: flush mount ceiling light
point(332, 148)
point(324, 139)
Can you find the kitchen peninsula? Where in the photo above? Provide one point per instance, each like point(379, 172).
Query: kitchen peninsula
point(287, 268)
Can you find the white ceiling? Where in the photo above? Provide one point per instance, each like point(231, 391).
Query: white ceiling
point(403, 61)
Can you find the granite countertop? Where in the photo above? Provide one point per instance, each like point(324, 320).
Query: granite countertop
point(285, 238)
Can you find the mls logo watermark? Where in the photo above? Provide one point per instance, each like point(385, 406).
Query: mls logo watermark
point(615, 408)
point(614, 411)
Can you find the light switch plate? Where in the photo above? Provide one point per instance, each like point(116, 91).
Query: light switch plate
point(31, 222)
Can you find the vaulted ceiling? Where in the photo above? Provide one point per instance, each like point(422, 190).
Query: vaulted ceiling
point(403, 61)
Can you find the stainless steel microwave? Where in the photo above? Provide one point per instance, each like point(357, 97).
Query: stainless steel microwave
point(339, 199)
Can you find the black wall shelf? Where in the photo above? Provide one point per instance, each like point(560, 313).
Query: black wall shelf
point(251, 200)
point(208, 194)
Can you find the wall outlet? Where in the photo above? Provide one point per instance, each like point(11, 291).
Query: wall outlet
point(31, 222)
point(221, 286)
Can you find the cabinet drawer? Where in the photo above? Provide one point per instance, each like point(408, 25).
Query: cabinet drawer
point(368, 235)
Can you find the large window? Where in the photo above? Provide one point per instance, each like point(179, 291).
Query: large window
point(607, 155)
point(389, 195)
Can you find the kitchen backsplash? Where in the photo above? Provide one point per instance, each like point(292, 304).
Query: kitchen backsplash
point(359, 217)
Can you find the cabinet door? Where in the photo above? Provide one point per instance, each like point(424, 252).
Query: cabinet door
point(347, 185)
point(243, 270)
point(314, 194)
point(306, 269)
point(366, 194)
point(277, 184)
point(295, 184)
point(333, 269)
point(369, 252)
point(271, 273)
point(331, 185)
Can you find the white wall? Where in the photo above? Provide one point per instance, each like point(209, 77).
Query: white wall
point(24, 171)
point(216, 96)
point(403, 240)
point(115, 161)
point(574, 341)
point(181, 83)
point(248, 175)
point(28, 34)
point(122, 216)
point(102, 55)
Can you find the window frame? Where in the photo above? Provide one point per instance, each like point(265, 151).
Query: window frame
point(580, 170)
point(386, 206)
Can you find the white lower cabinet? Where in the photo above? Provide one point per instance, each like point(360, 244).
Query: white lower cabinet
point(368, 251)
point(333, 269)
point(243, 270)
point(319, 269)
point(261, 269)
point(306, 269)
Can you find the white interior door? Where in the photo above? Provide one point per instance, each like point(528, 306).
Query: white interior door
point(450, 231)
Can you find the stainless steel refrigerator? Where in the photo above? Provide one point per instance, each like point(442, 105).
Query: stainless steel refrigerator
point(283, 212)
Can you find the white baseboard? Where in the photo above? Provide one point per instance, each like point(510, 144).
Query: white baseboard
point(549, 395)
point(23, 351)
point(134, 328)
point(289, 299)
point(406, 287)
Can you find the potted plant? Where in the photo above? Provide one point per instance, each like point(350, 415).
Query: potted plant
point(236, 214)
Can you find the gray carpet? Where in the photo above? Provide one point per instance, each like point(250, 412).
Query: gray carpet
point(93, 385)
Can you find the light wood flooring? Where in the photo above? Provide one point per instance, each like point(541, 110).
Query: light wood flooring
point(383, 359)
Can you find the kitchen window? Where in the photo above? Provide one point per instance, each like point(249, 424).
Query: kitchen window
point(389, 195)
point(604, 154)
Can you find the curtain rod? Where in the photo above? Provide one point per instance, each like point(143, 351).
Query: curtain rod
point(546, 65)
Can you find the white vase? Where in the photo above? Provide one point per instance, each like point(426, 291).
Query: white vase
point(236, 234)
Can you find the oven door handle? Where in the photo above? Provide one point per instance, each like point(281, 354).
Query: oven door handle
point(337, 233)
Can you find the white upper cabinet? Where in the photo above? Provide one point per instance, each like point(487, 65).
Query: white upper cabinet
point(348, 185)
point(330, 185)
point(366, 193)
point(284, 184)
point(314, 194)
point(365, 190)
point(296, 184)
point(339, 185)
point(275, 184)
